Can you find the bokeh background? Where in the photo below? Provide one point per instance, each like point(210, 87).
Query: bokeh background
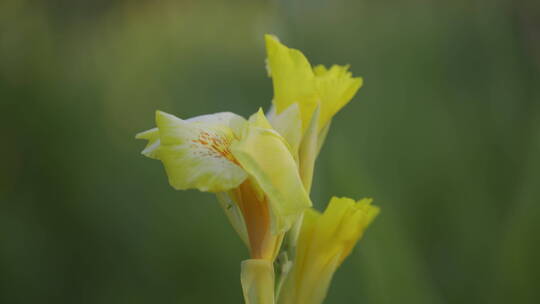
point(445, 135)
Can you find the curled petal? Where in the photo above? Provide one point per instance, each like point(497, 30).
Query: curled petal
point(295, 81)
point(153, 144)
point(265, 155)
point(325, 241)
point(335, 88)
point(196, 152)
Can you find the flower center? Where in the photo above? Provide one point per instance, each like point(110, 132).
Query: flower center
point(214, 145)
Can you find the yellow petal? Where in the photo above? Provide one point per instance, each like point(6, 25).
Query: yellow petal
point(234, 214)
point(343, 224)
point(295, 81)
point(265, 155)
point(309, 149)
point(196, 152)
point(325, 241)
point(289, 125)
point(257, 277)
point(153, 144)
point(259, 120)
point(292, 77)
point(335, 88)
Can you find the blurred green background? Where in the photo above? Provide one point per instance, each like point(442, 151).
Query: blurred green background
point(445, 135)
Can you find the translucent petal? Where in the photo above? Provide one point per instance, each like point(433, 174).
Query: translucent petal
point(289, 124)
point(153, 144)
point(309, 149)
point(234, 214)
point(196, 152)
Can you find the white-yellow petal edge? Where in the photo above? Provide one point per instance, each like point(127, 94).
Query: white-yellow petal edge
point(196, 152)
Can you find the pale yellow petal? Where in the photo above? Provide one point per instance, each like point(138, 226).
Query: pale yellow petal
point(257, 277)
point(289, 124)
point(196, 152)
point(234, 214)
point(153, 144)
point(221, 120)
point(309, 149)
point(259, 120)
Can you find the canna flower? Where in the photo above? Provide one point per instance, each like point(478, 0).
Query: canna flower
point(305, 100)
point(261, 170)
point(325, 241)
point(246, 163)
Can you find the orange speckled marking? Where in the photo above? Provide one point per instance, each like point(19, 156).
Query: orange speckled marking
point(216, 145)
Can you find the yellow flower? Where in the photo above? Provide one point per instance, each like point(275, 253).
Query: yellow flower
point(261, 171)
point(295, 81)
point(325, 241)
point(247, 163)
point(305, 100)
